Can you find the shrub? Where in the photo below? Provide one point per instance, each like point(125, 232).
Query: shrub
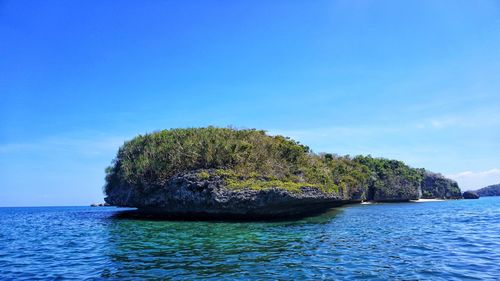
point(250, 158)
point(152, 159)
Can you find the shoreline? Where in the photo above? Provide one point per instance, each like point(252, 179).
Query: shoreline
point(423, 200)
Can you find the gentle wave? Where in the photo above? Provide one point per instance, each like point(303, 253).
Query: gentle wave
point(448, 240)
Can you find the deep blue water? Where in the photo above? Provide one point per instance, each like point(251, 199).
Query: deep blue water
point(452, 240)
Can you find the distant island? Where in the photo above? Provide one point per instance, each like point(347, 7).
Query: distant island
point(492, 190)
point(245, 173)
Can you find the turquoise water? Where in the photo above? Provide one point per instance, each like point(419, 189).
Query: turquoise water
point(452, 240)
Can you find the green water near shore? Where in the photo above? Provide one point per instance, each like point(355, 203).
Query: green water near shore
point(449, 240)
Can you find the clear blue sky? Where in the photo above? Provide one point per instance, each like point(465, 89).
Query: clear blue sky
point(412, 80)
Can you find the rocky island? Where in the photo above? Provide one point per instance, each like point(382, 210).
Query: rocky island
point(491, 190)
point(470, 195)
point(246, 174)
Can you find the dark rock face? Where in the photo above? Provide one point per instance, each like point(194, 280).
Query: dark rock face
point(397, 192)
point(187, 196)
point(192, 196)
point(437, 186)
point(470, 195)
point(492, 190)
point(394, 188)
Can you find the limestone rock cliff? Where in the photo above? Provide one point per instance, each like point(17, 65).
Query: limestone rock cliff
point(437, 186)
point(470, 195)
point(189, 195)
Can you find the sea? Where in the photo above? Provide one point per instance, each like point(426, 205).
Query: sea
point(446, 240)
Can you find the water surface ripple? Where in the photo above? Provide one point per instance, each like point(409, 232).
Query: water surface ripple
point(451, 240)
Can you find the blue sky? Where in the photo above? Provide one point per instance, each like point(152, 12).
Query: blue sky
point(411, 80)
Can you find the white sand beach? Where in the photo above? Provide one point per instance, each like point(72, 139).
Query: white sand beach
point(422, 200)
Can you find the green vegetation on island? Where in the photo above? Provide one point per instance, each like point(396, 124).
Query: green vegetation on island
point(491, 190)
point(437, 186)
point(249, 158)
